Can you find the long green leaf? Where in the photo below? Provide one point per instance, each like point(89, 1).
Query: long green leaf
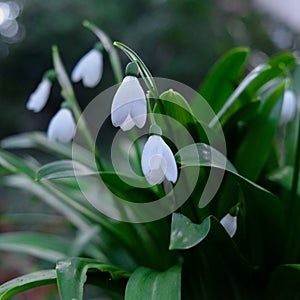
point(26, 282)
point(260, 136)
point(221, 81)
point(148, 284)
point(39, 140)
point(45, 246)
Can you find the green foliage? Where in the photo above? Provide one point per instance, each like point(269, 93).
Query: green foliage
point(187, 254)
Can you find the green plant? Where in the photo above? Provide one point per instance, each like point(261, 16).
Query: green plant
point(189, 253)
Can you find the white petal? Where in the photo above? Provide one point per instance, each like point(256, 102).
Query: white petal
point(127, 124)
point(158, 161)
point(229, 222)
point(289, 106)
point(129, 100)
point(89, 68)
point(62, 126)
point(39, 97)
point(138, 111)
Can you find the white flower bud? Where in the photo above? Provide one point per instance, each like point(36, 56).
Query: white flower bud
point(62, 127)
point(39, 97)
point(129, 107)
point(229, 222)
point(158, 161)
point(289, 106)
point(89, 68)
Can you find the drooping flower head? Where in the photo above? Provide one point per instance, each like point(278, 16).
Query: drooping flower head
point(158, 161)
point(62, 126)
point(129, 107)
point(229, 222)
point(38, 99)
point(289, 106)
point(89, 68)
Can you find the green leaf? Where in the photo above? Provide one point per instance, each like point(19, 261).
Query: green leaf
point(15, 165)
point(260, 135)
point(275, 67)
point(185, 234)
point(72, 274)
point(148, 284)
point(284, 283)
point(63, 169)
point(108, 46)
point(45, 246)
point(39, 140)
point(261, 206)
point(26, 282)
point(223, 78)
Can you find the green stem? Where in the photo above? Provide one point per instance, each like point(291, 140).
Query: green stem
point(82, 126)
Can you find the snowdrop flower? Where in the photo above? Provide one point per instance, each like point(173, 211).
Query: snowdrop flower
point(89, 68)
point(39, 97)
point(289, 106)
point(129, 107)
point(229, 222)
point(62, 126)
point(158, 161)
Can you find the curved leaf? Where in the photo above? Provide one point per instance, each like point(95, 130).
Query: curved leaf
point(185, 234)
point(221, 81)
point(261, 134)
point(26, 282)
point(45, 246)
point(39, 140)
point(148, 284)
point(72, 274)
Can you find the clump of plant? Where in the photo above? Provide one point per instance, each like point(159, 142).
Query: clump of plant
point(207, 203)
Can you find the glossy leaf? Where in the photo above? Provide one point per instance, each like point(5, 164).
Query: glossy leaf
point(148, 284)
point(72, 275)
point(26, 282)
point(185, 234)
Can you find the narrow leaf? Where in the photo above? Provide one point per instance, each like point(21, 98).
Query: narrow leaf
point(26, 282)
point(45, 246)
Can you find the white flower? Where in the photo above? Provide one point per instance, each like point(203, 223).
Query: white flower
point(289, 106)
point(229, 222)
point(39, 97)
point(158, 161)
point(62, 126)
point(89, 68)
point(129, 105)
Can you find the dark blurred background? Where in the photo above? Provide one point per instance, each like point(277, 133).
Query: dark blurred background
point(177, 39)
